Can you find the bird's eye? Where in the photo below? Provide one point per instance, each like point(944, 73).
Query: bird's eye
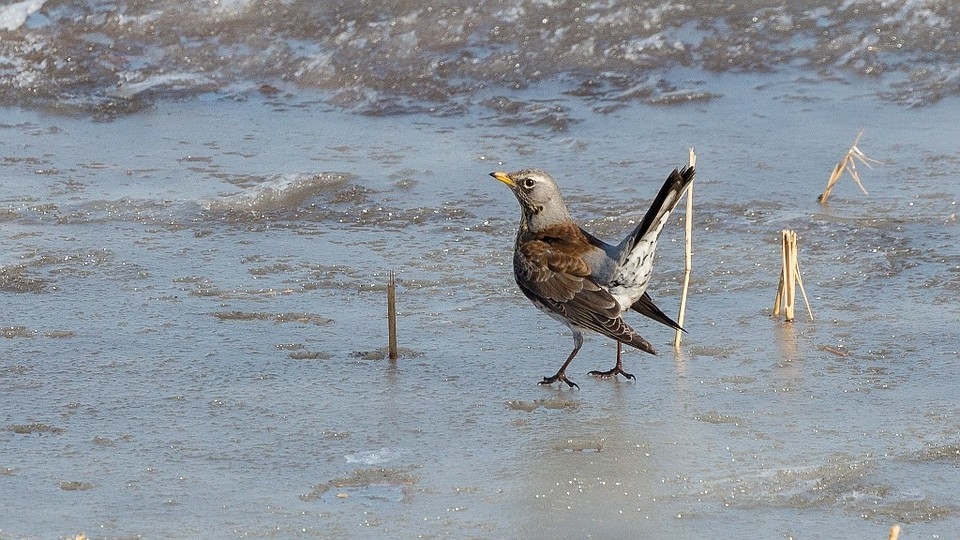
point(528, 183)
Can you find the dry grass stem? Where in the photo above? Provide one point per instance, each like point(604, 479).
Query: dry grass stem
point(849, 164)
point(806, 302)
point(894, 532)
point(392, 316)
point(789, 279)
point(688, 253)
point(787, 290)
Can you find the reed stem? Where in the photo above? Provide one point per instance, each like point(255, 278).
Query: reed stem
point(789, 278)
point(392, 316)
point(688, 254)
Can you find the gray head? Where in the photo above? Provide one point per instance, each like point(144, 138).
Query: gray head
point(539, 197)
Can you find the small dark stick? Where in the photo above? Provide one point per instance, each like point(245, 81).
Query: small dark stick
point(392, 315)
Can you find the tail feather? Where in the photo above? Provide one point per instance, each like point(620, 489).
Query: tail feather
point(647, 308)
point(635, 254)
point(664, 203)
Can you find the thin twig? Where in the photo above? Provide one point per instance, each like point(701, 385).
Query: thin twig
point(688, 253)
point(803, 292)
point(392, 316)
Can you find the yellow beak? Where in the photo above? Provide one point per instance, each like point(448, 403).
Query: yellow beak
point(503, 177)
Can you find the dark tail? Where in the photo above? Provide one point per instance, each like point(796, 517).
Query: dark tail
point(647, 308)
point(664, 203)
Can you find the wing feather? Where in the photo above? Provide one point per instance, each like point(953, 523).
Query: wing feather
point(551, 270)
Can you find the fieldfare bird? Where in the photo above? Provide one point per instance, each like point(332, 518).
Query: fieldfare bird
point(580, 280)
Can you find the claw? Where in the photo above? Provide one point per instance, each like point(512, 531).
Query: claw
point(561, 374)
point(617, 369)
point(612, 373)
point(561, 377)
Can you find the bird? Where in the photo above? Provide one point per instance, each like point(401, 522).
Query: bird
point(580, 280)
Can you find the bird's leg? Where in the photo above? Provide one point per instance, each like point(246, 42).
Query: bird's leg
point(617, 369)
point(561, 375)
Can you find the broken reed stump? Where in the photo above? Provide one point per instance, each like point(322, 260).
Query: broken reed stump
point(786, 290)
point(849, 164)
point(688, 253)
point(789, 278)
point(392, 316)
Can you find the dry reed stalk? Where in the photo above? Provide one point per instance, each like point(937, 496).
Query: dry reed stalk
point(688, 253)
point(789, 278)
point(392, 316)
point(849, 164)
point(800, 283)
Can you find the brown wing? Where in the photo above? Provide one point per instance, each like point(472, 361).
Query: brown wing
point(551, 270)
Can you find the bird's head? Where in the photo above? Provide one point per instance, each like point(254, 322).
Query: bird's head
point(538, 195)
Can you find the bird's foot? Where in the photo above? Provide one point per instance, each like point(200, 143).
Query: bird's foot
point(561, 377)
point(617, 370)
